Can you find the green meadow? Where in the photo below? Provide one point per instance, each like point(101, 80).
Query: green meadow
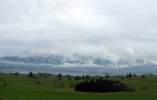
point(22, 87)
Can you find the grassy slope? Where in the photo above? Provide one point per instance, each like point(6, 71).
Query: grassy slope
point(23, 88)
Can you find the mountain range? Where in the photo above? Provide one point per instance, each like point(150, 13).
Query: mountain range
point(75, 64)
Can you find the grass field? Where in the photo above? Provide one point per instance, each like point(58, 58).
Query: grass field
point(21, 87)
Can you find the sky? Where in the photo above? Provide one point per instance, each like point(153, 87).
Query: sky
point(109, 28)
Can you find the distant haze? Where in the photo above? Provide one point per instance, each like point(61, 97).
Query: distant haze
point(109, 28)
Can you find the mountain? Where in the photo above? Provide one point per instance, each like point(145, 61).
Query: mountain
point(79, 70)
point(74, 60)
point(78, 64)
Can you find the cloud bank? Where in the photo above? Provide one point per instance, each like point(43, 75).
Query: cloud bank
point(114, 28)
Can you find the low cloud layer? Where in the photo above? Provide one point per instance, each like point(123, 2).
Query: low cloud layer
point(114, 28)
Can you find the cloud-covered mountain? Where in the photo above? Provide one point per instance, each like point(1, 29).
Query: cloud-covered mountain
point(76, 64)
point(76, 60)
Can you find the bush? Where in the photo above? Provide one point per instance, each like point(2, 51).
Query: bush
point(102, 86)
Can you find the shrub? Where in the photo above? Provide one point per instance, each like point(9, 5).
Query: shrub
point(102, 86)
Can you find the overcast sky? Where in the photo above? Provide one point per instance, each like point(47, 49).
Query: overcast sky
point(114, 28)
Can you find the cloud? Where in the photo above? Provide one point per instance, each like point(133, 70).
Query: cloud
point(110, 28)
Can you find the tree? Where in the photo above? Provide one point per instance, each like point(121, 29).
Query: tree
point(16, 73)
point(107, 76)
point(100, 78)
point(59, 76)
point(129, 75)
point(83, 77)
point(30, 75)
point(87, 77)
point(134, 75)
point(77, 78)
point(92, 80)
point(143, 76)
point(69, 77)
